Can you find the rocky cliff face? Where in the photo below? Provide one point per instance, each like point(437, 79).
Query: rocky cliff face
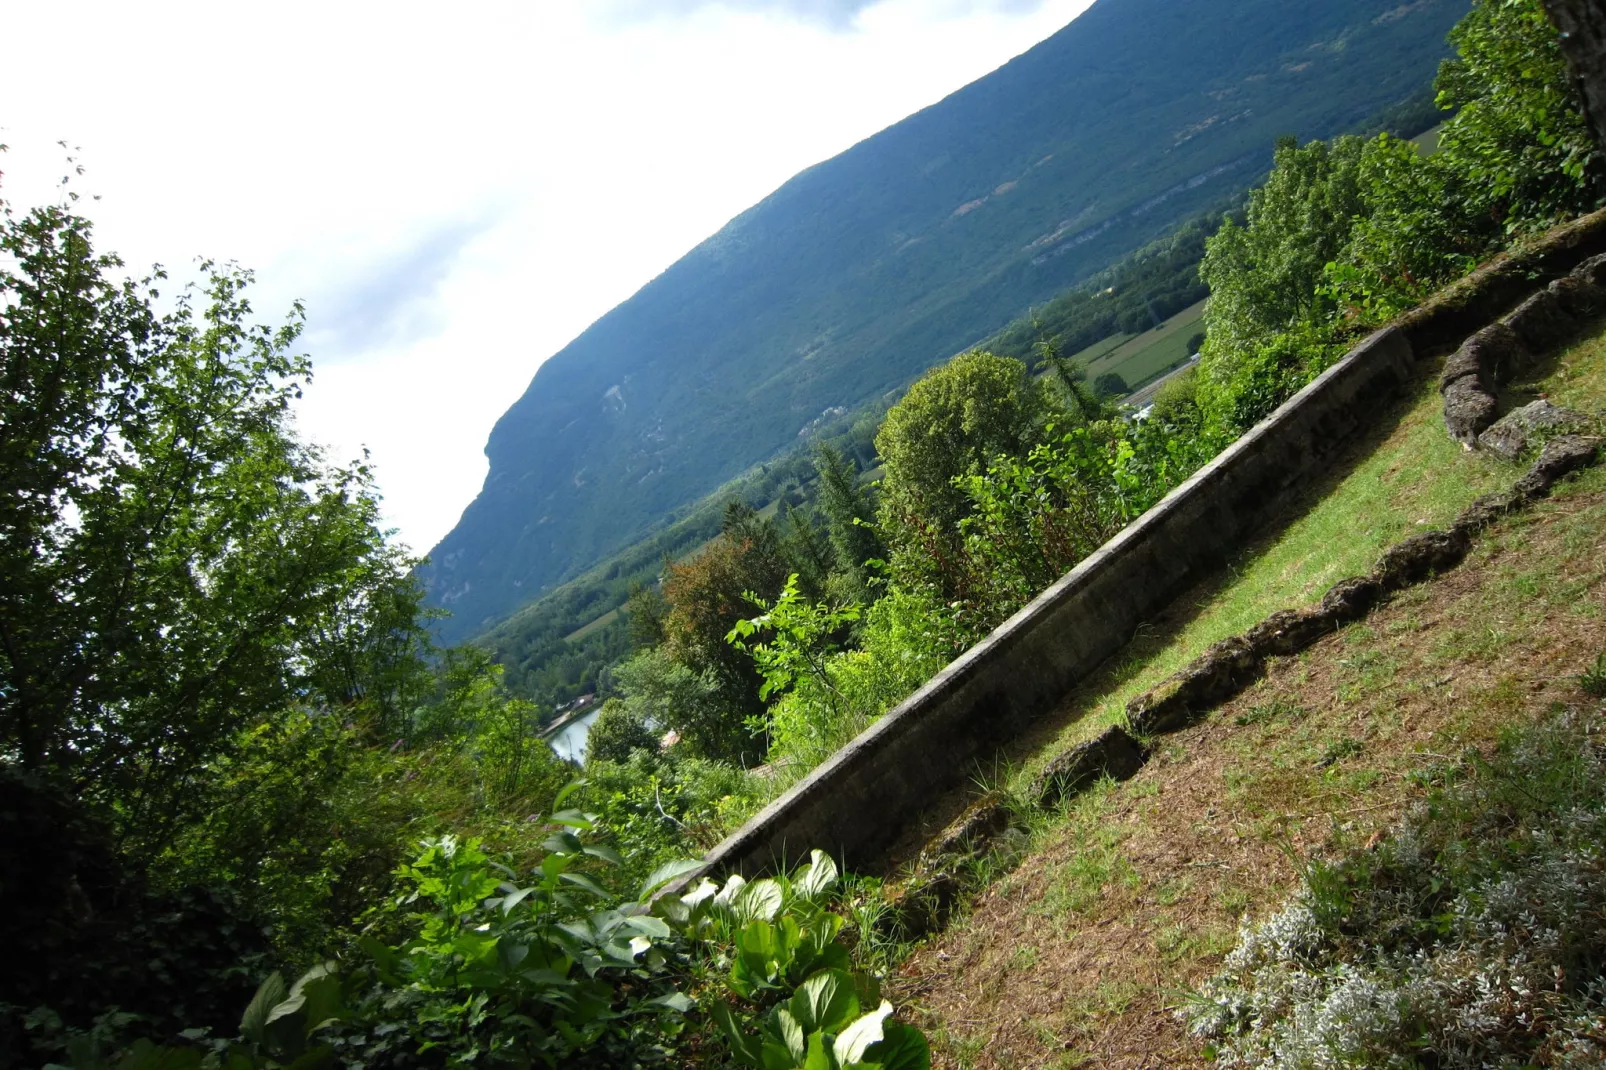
point(863, 271)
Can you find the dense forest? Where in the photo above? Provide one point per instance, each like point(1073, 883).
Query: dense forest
point(864, 271)
point(252, 816)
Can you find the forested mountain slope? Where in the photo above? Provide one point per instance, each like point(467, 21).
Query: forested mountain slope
point(865, 270)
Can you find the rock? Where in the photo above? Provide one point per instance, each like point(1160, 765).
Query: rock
point(1468, 410)
point(1492, 354)
point(1211, 677)
point(1542, 323)
point(968, 833)
point(1486, 510)
point(1350, 600)
point(1113, 752)
point(1580, 297)
point(1592, 270)
point(1416, 558)
point(1464, 363)
point(1560, 456)
point(1289, 631)
point(1510, 436)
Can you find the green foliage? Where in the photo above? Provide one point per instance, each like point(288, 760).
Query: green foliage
point(619, 729)
point(1347, 235)
point(212, 660)
point(178, 565)
point(849, 515)
point(1264, 275)
point(782, 947)
point(1518, 140)
point(1110, 385)
point(674, 697)
point(950, 423)
point(654, 808)
point(554, 972)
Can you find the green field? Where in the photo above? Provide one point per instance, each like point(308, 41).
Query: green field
point(586, 629)
point(1098, 349)
point(1152, 353)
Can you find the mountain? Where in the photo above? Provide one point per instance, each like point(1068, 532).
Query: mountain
point(865, 270)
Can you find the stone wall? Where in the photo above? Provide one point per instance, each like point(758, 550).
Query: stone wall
point(857, 804)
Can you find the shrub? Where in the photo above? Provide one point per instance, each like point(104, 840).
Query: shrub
point(1467, 939)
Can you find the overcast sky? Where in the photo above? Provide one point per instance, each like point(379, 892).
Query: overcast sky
point(456, 191)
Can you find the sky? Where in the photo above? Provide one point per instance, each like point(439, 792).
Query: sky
point(456, 191)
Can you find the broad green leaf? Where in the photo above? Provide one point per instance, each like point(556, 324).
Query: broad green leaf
point(386, 961)
point(759, 899)
point(704, 891)
point(821, 1054)
point(604, 852)
point(318, 991)
point(647, 925)
point(513, 899)
point(666, 873)
point(790, 1032)
point(816, 878)
point(572, 818)
point(580, 880)
point(561, 842)
point(675, 1001)
point(855, 1040)
point(269, 994)
point(825, 1001)
point(568, 790)
point(902, 1047)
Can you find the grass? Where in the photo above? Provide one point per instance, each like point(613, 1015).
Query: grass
point(1142, 884)
point(1101, 348)
point(1154, 352)
point(596, 625)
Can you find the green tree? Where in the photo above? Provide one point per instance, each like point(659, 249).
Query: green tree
point(664, 691)
point(848, 513)
point(179, 567)
point(1264, 276)
point(1519, 138)
point(954, 420)
point(619, 729)
point(1111, 385)
point(707, 596)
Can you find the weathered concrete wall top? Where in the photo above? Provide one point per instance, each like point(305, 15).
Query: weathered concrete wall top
point(857, 804)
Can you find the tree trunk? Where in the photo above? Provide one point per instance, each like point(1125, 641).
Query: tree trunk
point(1583, 41)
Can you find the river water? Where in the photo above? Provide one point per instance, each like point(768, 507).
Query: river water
point(569, 742)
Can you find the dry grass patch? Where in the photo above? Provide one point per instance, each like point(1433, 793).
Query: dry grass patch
point(1132, 895)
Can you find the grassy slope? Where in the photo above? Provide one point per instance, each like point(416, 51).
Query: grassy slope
point(1079, 955)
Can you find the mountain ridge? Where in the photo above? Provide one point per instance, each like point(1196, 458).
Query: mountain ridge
point(863, 270)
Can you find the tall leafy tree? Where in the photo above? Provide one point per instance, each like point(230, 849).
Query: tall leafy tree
point(178, 566)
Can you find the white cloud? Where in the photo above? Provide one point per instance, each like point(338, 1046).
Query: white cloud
point(457, 192)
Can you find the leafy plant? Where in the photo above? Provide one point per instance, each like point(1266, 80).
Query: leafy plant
point(782, 950)
point(556, 972)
